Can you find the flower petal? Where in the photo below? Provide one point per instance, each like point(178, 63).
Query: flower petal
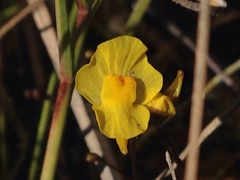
point(117, 116)
point(149, 81)
point(173, 91)
point(122, 144)
point(161, 104)
point(88, 82)
point(117, 56)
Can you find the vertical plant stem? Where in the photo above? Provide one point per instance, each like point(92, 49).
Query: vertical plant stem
point(64, 40)
point(42, 127)
point(200, 72)
point(56, 131)
point(64, 93)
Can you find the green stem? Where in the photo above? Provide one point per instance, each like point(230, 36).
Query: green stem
point(136, 16)
point(81, 29)
point(219, 78)
point(64, 40)
point(42, 127)
point(56, 130)
point(64, 93)
point(78, 53)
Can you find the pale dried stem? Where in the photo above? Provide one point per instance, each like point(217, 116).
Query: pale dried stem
point(218, 78)
point(170, 165)
point(43, 22)
point(209, 129)
point(200, 72)
point(215, 123)
point(191, 45)
point(20, 16)
point(188, 4)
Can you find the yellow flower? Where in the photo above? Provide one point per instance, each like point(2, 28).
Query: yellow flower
point(119, 83)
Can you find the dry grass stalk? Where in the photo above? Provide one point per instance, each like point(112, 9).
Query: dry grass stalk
point(20, 16)
point(200, 72)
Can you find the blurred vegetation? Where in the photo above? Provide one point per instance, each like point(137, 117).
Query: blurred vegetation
point(25, 69)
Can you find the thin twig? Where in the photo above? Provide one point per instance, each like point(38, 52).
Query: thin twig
point(186, 40)
point(20, 16)
point(200, 72)
point(215, 123)
point(208, 130)
point(218, 78)
point(170, 165)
